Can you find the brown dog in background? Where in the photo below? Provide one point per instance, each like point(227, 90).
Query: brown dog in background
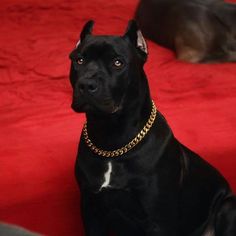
point(199, 31)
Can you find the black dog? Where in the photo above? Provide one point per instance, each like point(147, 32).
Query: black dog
point(197, 30)
point(148, 183)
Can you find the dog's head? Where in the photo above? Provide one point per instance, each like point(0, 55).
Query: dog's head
point(105, 68)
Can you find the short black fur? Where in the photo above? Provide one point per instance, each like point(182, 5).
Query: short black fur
point(159, 188)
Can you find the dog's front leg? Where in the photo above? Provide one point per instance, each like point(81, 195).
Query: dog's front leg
point(93, 219)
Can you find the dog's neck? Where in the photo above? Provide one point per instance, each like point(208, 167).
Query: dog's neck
point(114, 131)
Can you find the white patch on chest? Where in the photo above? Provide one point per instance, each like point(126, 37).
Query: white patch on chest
point(107, 177)
point(209, 232)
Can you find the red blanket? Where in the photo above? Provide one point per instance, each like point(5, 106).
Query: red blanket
point(39, 132)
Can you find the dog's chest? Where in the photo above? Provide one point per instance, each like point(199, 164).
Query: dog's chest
point(100, 175)
point(114, 176)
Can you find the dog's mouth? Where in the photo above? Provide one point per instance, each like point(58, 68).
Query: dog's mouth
point(107, 106)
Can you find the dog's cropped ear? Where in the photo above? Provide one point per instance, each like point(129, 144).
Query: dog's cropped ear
point(134, 35)
point(87, 30)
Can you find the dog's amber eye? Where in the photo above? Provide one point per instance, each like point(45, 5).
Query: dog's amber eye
point(80, 61)
point(117, 63)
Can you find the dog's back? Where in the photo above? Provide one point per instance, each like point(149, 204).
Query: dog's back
point(199, 31)
point(226, 14)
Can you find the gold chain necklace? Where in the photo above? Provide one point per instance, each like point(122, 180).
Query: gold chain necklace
point(127, 147)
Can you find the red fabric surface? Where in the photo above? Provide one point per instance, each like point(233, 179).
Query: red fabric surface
point(39, 132)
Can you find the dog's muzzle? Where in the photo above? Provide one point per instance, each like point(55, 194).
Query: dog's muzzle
point(88, 86)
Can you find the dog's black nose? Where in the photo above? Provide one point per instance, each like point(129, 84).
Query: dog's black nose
point(88, 85)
